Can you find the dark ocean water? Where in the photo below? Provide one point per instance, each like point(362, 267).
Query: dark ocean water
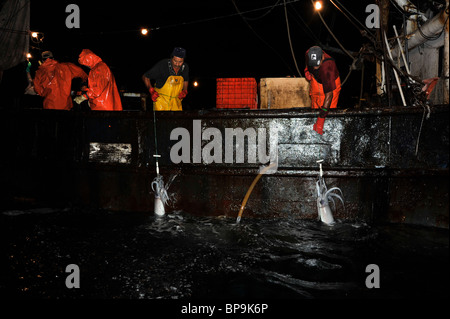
point(138, 256)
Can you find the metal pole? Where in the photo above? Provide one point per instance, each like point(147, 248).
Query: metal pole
point(384, 15)
point(362, 86)
point(406, 40)
point(446, 59)
point(405, 62)
point(379, 65)
point(397, 79)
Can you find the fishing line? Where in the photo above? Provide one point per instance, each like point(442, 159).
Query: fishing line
point(156, 142)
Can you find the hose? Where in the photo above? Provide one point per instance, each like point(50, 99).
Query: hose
point(250, 189)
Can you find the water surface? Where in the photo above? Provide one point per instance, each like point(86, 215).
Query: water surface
point(138, 256)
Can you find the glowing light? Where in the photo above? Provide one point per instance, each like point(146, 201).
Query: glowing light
point(195, 83)
point(29, 56)
point(144, 31)
point(318, 5)
point(34, 34)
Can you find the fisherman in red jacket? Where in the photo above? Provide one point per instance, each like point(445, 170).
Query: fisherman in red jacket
point(53, 82)
point(102, 91)
point(325, 83)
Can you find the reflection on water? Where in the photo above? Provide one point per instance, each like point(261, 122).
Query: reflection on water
point(135, 255)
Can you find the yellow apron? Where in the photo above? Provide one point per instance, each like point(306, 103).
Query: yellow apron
point(168, 95)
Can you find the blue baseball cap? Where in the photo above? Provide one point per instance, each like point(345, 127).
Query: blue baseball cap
point(179, 52)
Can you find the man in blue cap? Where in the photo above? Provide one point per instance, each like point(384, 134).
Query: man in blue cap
point(170, 77)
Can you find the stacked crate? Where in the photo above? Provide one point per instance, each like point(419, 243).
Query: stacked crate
point(236, 93)
point(284, 93)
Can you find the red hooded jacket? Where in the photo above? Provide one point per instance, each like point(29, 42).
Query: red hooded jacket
point(53, 82)
point(102, 92)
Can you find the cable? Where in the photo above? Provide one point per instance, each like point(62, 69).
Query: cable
point(308, 29)
point(433, 37)
point(332, 34)
point(399, 9)
point(363, 26)
point(174, 25)
point(348, 74)
point(259, 37)
point(222, 17)
point(289, 37)
point(263, 15)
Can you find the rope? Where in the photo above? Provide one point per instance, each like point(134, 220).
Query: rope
point(289, 37)
point(368, 32)
point(425, 109)
point(334, 37)
point(258, 36)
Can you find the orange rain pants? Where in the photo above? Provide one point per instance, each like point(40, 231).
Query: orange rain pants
point(318, 96)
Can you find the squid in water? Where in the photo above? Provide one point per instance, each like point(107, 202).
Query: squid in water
point(161, 196)
point(324, 196)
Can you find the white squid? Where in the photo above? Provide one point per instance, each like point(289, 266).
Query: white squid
point(323, 197)
point(161, 196)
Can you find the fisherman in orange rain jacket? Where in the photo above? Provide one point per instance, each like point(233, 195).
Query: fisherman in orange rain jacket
point(102, 91)
point(325, 83)
point(53, 82)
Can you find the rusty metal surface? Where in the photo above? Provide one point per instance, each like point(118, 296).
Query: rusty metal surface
point(370, 155)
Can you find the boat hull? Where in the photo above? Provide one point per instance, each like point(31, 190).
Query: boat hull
point(105, 160)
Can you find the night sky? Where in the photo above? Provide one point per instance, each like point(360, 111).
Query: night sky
point(219, 41)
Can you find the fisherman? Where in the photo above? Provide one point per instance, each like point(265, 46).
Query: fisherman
point(325, 83)
point(171, 78)
point(53, 81)
point(102, 92)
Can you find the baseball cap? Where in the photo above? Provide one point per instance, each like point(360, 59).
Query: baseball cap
point(47, 55)
point(179, 52)
point(314, 56)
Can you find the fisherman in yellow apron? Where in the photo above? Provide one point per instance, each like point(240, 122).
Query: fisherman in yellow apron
point(171, 77)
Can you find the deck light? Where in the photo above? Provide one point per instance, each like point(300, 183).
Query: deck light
point(36, 37)
point(318, 5)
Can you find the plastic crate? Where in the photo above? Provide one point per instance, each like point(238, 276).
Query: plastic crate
point(236, 93)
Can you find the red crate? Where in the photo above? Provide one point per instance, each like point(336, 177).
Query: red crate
point(236, 93)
